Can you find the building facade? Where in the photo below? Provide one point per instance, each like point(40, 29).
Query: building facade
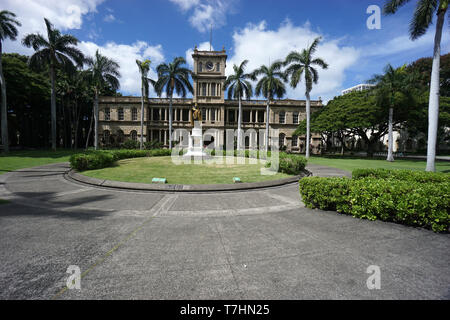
point(119, 117)
point(359, 87)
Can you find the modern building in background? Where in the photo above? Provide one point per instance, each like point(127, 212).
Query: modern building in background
point(119, 117)
point(359, 87)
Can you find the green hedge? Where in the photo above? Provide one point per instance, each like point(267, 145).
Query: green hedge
point(103, 158)
point(289, 163)
point(408, 202)
point(405, 175)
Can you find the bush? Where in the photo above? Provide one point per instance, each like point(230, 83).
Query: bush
point(289, 163)
point(103, 159)
point(131, 144)
point(153, 144)
point(408, 202)
point(405, 175)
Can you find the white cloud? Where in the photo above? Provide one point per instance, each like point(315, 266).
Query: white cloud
point(204, 46)
point(125, 56)
point(186, 4)
point(260, 45)
point(109, 18)
point(63, 14)
point(207, 12)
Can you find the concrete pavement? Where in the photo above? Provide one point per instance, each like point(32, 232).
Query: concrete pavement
point(260, 244)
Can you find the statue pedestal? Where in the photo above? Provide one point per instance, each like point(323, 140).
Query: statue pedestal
point(195, 148)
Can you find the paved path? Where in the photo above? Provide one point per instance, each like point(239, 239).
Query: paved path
point(236, 245)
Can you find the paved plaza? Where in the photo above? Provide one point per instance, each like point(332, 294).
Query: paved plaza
point(257, 244)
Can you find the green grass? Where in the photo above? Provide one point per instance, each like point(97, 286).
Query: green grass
point(26, 159)
point(350, 164)
point(142, 170)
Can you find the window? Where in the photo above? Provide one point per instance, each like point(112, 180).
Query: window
point(282, 117)
point(213, 89)
point(231, 117)
point(107, 114)
point(120, 113)
point(185, 114)
point(218, 67)
point(155, 114)
point(261, 116)
point(163, 114)
point(106, 135)
point(294, 141)
point(203, 89)
point(200, 67)
point(295, 119)
point(133, 135)
point(213, 115)
point(281, 140)
point(134, 114)
point(119, 136)
point(203, 114)
point(246, 116)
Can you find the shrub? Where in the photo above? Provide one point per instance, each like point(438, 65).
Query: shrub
point(406, 175)
point(153, 144)
point(131, 144)
point(289, 163)
point(103, 159)
point(408, 202)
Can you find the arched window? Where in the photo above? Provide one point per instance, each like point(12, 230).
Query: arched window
point(294, 141)
point(120, 136)
point(133, 135)
point(218, 67)
point(120, 114)
point(107, 114)
point(200, 67)
point(281, 140)
point(106, 135)
point(134, 114)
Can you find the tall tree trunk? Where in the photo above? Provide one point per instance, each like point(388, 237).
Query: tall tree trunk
point(239, 144)
point(433, 105)
point(142, 117)
point(308, 123)
point(96, 120)
point(4, 113)
point(267, 124)
point(90, 130)
point(53, 106)
point(76, 124)
point(170, 120)
point(390, 156)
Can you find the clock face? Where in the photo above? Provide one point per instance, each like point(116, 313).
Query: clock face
point(209, 66)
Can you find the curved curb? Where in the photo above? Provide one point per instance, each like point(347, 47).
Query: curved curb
point(74, 175)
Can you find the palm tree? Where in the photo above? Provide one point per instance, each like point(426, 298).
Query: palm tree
point(238, 86)
point(144, 68)
point(270, 85)
point(173, 77)
point(302, 63)
point(56, 51)
point(7, 30)
point(103, 73)
point(423, 17)
point(388, 86)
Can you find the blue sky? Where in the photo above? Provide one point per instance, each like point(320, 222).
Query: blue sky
point(260, 31)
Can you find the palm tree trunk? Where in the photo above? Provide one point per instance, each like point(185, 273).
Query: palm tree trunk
point(4, 113)
point(170, 119)
point(390, 156)
point(96, 120)
point(239, 143)
point(433, 105)
point(142, 117)
point(308, 123)
point(53, 106)
point(267, 124)
point(90, 130)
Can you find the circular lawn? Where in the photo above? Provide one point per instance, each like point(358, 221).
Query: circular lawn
point(143, 170)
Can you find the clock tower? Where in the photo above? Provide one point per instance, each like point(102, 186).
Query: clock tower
point(209, 76)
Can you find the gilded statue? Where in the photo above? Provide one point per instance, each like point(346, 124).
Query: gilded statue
point(196, 114)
